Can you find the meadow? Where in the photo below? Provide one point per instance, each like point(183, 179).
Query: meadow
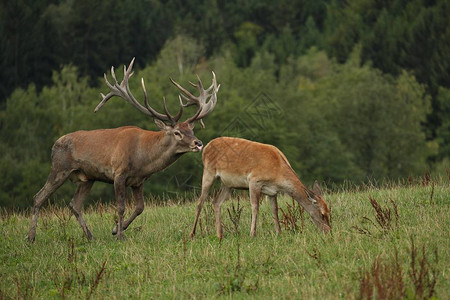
point(395, 246)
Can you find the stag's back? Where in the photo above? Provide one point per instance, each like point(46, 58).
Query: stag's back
point(98, 144)
point(103, 153)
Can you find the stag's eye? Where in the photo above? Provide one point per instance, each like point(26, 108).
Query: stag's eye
point(178, 134)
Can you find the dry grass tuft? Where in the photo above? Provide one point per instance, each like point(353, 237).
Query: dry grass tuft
point(385, 279)
point(423, 274)
point(386, 218)
point(290, 218)
point(235, 215)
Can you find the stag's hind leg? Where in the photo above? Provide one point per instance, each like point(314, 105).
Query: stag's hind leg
point(54, 181)
point(76, 205)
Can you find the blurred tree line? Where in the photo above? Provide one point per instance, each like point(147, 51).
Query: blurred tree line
point(353, 90)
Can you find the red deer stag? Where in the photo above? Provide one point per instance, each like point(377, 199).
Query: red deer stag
point(261, 168)
point(124, 156)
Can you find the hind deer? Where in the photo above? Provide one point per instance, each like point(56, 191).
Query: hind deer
point(125, 156)
point(261, 168)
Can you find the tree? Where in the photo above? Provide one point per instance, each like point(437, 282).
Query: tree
point(443, 133)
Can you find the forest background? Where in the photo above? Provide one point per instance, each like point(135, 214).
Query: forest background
point(349, 90)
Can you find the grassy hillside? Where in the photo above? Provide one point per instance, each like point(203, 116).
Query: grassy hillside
point(157, 260)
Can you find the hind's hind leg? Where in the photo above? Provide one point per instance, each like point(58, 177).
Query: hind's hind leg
point(54, 181)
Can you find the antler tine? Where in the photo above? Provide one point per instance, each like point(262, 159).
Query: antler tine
point(180, 111)
point(173, 120)
point(154, 113)
point(189, 101)
point(189, 96)
point(214, 83)
point(200, 84)
point(107, 97)
point(199, 87)
point(123, 91)
point(167, 111)
point(204, 108)
point(130, 67)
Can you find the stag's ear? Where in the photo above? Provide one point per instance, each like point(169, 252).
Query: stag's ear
point(161, 125)
point(191, 125)
point(316, 189)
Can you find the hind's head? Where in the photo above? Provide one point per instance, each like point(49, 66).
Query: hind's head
point(322, 216)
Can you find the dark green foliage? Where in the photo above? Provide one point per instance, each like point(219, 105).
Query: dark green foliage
point(443, 132)
point(334, 122)
point(347, 90)
point(395, 36)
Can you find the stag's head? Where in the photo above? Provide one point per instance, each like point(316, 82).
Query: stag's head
point(182, 133)
point(322, 218)
point(183, 136)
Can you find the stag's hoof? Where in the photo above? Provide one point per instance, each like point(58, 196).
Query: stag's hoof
point(114, 231)
point(121, 237)
point(325, 228)
point(89, 236)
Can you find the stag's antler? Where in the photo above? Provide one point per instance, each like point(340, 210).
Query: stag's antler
point(122, 90)
point(204, 108)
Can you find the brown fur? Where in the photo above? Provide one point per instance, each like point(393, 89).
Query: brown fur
point(261, 168)
point(124, 156)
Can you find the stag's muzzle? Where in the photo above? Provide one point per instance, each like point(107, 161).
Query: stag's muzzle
point(198, 146)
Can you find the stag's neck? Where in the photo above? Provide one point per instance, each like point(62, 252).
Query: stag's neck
point(162, 151)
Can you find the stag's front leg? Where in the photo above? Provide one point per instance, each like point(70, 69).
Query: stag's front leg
point(138, 195)
point(119, 190)
point(76, 205)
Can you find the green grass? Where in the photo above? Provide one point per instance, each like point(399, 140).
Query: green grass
point(158, 261)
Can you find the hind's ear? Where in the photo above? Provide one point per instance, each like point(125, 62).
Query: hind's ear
point(316, 189)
